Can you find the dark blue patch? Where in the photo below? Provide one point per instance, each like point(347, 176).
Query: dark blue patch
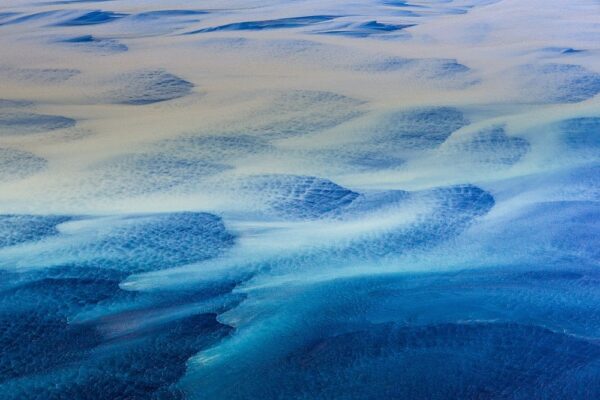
point(494, 146)
point(467, 199)
point(373, 161)
point(58, 297)
point(370, 202)
point(17, 164)
point(149, 366)
point(34, 342)
point(295, 22)
point(454, 209)
point(6, 103)
point(366, 29)
point(131, 244)
point(125, 353)
point(92, 18)
point(563, 50)
point(5, 15)
point(80, 39)
point(571, 51)
point(120, 353)
point(570, 227)
point(425, 68)
point(545, 275)
point(150, 86)
point(17, 229)
point(440, 361)
point(398, 3)
point(483, 359)
point(158, 241)
point(418, 129)
point(145, 367)
point(153, 15)
point(430, 71)
point(19, 123)
point(560, 83)
point(582, 134)
point(303, 197)
point(96, 44)
point(451, 67)
point(92, 362)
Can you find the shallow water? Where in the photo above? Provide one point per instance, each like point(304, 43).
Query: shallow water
point(299, 200)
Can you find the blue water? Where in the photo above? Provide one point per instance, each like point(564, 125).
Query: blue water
point(365, 29)
point(92, 18)
point(299, 200)
point(93, 43)
point(149, 86)
point(26, 123)
point(295, 22)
